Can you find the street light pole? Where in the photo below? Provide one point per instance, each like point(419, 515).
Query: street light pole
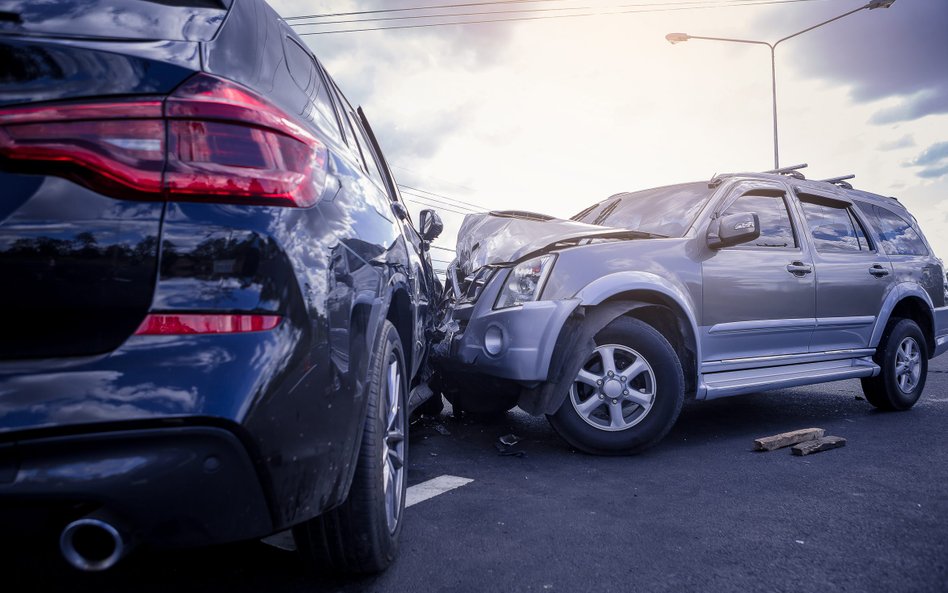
point(674, 38)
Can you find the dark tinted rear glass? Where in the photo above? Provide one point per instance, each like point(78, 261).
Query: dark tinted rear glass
point(665, 211)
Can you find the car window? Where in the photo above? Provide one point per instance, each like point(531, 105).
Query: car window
point(776, 230)
point(368, 157)
point(305, 74)
point(896, 234)
point(833, 228)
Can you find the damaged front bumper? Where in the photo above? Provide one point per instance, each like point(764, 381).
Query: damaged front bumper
point(513, 343)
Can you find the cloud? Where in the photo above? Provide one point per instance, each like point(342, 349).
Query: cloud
point(934, 172)
point(906, 141)
point(912, 107)
point(899, 51)
point(933, 160)
point(933, 154)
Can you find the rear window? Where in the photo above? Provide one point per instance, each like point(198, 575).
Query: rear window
point(667, 211)
point(896, 234)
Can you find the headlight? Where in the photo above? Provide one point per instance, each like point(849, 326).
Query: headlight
point(524, 282)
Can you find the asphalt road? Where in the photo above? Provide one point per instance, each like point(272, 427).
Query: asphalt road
point(701, 512)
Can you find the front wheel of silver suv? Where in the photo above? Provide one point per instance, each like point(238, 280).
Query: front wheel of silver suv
point(903, 357)
point(626, 396)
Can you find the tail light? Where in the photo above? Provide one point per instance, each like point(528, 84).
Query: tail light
point(211, 140)
point(159, 324)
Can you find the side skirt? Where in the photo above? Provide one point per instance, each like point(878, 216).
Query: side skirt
point(737, 382)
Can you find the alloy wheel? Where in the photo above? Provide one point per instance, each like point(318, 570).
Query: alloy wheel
point(615, 389)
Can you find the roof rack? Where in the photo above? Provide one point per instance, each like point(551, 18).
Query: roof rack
point(791, 171)
point(840, 181)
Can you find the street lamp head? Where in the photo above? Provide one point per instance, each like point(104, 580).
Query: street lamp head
point(879, 4)
point(674, 38)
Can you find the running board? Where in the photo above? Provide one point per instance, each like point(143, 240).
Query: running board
point(729, 383)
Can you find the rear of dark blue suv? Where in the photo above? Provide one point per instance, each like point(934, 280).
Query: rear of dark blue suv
point(215, 301)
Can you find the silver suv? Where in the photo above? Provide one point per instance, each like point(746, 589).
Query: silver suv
point(749, 282)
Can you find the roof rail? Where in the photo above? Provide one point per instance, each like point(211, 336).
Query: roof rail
point(840, 181)
point(791, 171)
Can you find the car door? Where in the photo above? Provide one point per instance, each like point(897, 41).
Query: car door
point(853, 277)
point(758, 298)
point(421, 271)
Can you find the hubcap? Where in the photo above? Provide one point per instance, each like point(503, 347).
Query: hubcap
point(615, 389)
point(908, 365)
point(393, 453)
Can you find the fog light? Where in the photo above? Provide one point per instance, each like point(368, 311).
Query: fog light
point(494, 340)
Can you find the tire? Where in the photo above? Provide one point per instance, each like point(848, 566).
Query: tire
point(903, 357)
point(479, 395)
point(609, 418)
point(361, 535)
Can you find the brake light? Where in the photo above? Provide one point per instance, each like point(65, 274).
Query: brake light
point(160, 324)
point(211, 140)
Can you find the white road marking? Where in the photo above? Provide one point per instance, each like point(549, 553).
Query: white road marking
point(434, 487)
point(414, 495)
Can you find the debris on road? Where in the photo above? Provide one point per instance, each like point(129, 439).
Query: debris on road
point(818, 445)
point(507, 446)
point(786, 439)
point(442, 430)
point(509, 439)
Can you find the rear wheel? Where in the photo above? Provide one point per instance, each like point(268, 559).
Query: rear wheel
point(361, 535)
point(626, 396)
point(903, 357)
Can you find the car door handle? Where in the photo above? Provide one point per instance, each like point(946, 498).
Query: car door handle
point(878, 271)
point(799, 269)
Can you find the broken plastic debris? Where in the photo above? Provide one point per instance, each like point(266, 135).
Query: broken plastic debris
point(509, 439)
point(442, 430)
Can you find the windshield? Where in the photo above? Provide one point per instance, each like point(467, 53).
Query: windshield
point(667, 211)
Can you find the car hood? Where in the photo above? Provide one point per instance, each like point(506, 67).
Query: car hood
point(509, 236)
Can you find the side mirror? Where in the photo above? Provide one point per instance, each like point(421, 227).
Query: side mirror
point(431, 225)
point(733, 229)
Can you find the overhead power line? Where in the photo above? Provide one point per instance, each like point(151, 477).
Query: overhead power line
point(477, 207)
point(413, 8)
point(438, 207)
point(445, 202)
point(668, 7)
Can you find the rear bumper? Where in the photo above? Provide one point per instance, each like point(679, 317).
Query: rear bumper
point(169, 487)
point(941, 331)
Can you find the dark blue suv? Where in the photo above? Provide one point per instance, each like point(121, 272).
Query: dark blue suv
point(216, 303)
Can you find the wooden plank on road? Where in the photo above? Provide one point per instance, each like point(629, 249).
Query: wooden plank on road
point(787, 438)
point(823, 444)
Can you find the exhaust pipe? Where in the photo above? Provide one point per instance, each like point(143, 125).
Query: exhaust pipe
point(92, 544)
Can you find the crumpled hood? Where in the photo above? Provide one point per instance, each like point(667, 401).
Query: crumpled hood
point(502, 237)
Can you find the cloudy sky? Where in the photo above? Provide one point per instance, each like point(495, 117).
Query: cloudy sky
point(552, 115)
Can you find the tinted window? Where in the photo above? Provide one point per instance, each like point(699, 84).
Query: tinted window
point(668, 211)
point(354, 130)
point(304, 71)
point(896, 235)
point(834, 228)
point(775, 227)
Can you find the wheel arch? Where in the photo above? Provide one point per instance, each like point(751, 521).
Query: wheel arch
point(643, 296)
point(908, 302)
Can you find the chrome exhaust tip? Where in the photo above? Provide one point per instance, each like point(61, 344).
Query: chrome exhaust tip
point(91, 544)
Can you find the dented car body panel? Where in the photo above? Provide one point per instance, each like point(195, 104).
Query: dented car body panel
point(799, 304)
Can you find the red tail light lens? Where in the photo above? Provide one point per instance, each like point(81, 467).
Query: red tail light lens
point(211, 140)
point(168, 324)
